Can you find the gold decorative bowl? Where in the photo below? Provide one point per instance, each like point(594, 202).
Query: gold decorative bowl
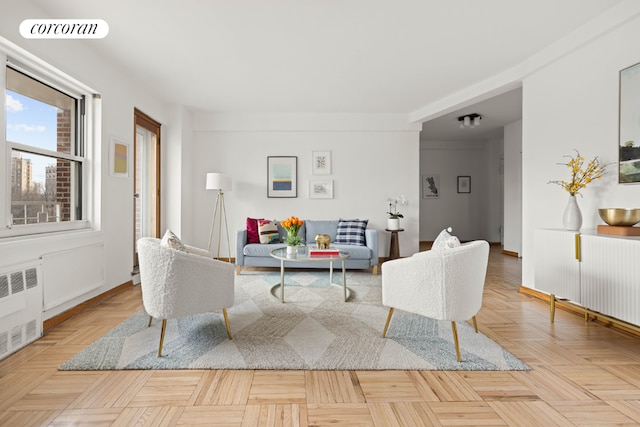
point(620, 216)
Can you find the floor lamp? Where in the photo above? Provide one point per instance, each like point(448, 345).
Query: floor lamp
point(222, 183)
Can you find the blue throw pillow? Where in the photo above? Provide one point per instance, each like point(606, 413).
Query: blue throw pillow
point(351, 232)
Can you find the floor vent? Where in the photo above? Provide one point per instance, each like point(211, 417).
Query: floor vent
point(20, 307)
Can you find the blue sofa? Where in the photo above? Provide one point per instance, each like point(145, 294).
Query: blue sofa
point(258, 254)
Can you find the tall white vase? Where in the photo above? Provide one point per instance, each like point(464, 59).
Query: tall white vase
point(572, 218)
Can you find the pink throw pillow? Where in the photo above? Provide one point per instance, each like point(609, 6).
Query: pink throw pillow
point(252, 230)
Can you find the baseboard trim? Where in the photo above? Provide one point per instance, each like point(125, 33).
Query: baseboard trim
point(510, 253)
point(56, 320)
point(578, 310)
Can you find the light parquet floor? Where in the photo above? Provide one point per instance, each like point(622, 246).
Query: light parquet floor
point(583, 375)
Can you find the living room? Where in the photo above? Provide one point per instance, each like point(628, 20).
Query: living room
point(570, 100)
point(562, 112)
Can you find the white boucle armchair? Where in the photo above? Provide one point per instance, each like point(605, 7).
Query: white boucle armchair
point(179, 283)
point(442, 284)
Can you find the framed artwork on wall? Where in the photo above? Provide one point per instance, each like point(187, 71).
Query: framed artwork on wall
point(629, 126)
point(321, 189)
point(430, 186)
point(118, 158)
point(321, 163)
point(282, 176)
point(464, 184)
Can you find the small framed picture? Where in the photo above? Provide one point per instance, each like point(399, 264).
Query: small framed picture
point(430, 186)
point(282, 176)
point(321, 189)
point(321, 163)
point(464, 184)
point(118, 158)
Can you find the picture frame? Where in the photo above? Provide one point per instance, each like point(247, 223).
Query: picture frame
point(321, 162)
point(464, 184)
point(629, 126)
point(282, 176)
point(430, 186)
point(118, 158)
point(321, 189)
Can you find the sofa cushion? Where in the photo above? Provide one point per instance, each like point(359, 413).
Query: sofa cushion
point(351, 232)
point(356, 252)
point(315, 227)
point(268, 231)
point(260, 250)
point(170, 240)
point(252, 230)
point(445, 240)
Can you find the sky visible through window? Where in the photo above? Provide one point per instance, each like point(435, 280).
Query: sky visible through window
point(33, 123)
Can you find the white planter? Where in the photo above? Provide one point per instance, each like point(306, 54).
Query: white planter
point(292, 251)
point(393, 223)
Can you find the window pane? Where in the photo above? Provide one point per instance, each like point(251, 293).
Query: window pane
point(38, 115)
point(43, 189)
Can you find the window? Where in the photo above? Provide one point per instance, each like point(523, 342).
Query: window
point(43, 188)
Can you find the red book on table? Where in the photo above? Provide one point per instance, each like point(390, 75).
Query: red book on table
point(324, 252)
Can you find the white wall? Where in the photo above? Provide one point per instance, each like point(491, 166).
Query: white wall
point(474, 215)
point(120, 94)
point(513, 187)
point(573, 104)
point(373, 158)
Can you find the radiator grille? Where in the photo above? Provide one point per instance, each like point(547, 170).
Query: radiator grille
point(4, 343)
point(4, 286)
point(17, 282)
point(20, 307)
point(31, 275)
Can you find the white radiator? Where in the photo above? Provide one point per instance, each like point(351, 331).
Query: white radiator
point(20, 306)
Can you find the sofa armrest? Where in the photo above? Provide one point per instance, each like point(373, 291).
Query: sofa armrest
point(371, 240)
point(241, 241)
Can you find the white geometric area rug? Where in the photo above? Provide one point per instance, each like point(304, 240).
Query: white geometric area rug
point(313, 330)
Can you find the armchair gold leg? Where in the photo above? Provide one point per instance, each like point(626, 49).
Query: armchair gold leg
point(455, 339)
point(150, 321)
point(475, 324)
point(226, 322)
point(386, 325)
point(374, 270)
point(164, 326)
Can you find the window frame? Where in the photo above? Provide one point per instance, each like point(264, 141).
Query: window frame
point(89, 107)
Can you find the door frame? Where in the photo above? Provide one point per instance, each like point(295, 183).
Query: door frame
point(143, 120)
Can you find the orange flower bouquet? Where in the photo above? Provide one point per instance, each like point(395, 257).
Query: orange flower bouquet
point(292, 225)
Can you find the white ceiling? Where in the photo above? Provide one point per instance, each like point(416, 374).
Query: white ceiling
point(496, 113)
point(347, 56)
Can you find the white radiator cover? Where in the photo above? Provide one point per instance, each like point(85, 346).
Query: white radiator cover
point(20, 306)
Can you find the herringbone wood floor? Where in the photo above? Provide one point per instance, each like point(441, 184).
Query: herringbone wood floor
point(583, 374)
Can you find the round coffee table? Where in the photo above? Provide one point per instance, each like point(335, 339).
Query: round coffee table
point(281, 254)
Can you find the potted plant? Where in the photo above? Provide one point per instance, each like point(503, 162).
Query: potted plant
point(292, 225)
point(581, 175)
point(393, 221)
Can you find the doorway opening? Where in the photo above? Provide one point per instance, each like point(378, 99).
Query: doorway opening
point(146, 157)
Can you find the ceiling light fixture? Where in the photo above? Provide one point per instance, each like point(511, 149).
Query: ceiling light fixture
point(470, 120)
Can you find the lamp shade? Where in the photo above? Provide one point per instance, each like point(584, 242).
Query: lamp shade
point(218, 181)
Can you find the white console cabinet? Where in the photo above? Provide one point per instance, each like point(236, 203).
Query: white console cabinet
point(599, 272)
